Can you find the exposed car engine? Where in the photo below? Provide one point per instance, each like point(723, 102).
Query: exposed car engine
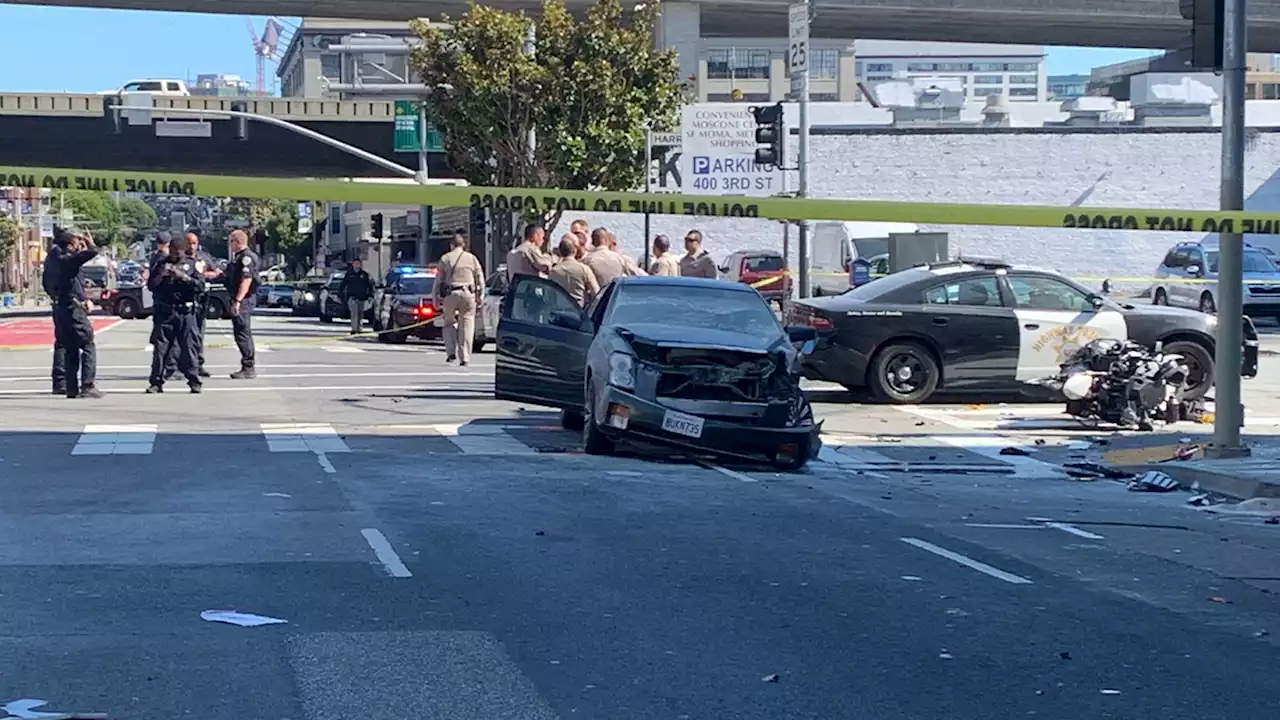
point(1122, 383)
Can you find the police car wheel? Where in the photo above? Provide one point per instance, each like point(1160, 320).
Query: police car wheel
point(127, 309)
point(215, 310)
point(903, 373)
point(1199, 367)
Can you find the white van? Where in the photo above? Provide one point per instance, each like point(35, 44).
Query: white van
point(834, 245)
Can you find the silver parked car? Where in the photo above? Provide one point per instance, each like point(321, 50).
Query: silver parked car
point(1188, 277)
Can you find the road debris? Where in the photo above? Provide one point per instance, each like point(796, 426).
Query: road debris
point(233, 617)
point(1013, 450)
point(1096, 470)
point(1109, 691)
point(25, 709)
point(1154, 481)
point(1221, 600)
point(773, 678)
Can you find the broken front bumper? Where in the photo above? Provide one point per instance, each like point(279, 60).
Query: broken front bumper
point(644, 419)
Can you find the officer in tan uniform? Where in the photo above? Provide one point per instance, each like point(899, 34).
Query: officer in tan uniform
point(697, 262)
point(579, 228)
point(576, 278)
point(664, 263)
point(527, 258)
point(602, 260)
point(629, 267)
point(458, 288)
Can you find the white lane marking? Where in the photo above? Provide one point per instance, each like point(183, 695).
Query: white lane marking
point(325, 464)
point(404, 388)
point(731, 473)
point(855, 455)
point(1064, 527)
point(341, 349)
point(488, 369)
point(483, 440)
point(1005, 526)
point(385, 553)
point(295, 376)
point(966, 561)
point(293, 437)
point(990, 446)
point(116, 440)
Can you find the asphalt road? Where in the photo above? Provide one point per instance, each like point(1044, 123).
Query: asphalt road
point(440, 554)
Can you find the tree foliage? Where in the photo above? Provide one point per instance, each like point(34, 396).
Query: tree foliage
point(10, 234)
point(590, 92)
point(96, 211)
point(137, 215)
point(276, 221)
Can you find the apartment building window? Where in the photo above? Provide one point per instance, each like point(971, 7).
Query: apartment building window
point(880, 68)
point(921, 67)
point(737, 63)
point(955, 67)
point(1022, 67)
point(988, 80)
point(826, 64)
point(746, 97)
point(1024, 79)
point(331, 66)
point(1023, 92)
point(879, 78)
point(1270, 91)
point(985, 91)
point(824, 97)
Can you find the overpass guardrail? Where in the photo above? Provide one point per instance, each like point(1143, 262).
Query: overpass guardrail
point(297, 109)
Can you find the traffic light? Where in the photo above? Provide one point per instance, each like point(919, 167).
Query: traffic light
point(376, 221)
point(242, 123)
point(770, 135)
point(1206, 18)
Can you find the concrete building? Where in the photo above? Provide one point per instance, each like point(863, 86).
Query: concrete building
point(308, 68)
point(1013, 72)
point(220, 86)
point(1066, 87)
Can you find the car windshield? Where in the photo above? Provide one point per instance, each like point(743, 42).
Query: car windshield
point(417, 285)
point(1254, 262)
point(695, 307)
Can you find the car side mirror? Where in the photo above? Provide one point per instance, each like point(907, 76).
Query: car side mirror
point(1097, 302)
point(566, 319)
point(1193, 270)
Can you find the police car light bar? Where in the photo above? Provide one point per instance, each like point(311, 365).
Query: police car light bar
point(993, 263)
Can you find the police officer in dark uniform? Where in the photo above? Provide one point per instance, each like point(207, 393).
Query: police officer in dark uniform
point(73, 333)
point(241, 279)
point(158, 258)
point(208, 270)
point(177, 284)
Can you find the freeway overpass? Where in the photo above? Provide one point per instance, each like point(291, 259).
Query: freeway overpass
point(76, 131)
point(1103, 23)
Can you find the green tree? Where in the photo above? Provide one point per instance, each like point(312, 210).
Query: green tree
point(277, 220)
point(591, 90)
point(137, 215)
point(10, 234)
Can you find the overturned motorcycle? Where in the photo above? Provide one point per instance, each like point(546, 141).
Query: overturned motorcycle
point(1125, 384)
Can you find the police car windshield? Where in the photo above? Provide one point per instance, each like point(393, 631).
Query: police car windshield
point(708, 308)
point(1254, 262)
point(416, 284)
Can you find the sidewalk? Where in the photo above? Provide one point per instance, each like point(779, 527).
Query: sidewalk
point(13, 307)
point(1256, 476)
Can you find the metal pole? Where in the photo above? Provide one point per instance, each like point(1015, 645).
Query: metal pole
point(530, 47)
point(786, 224)
point(1228, 410)
point(349, 149)
point(424, 211)
point(803, 166)
point(648, 188)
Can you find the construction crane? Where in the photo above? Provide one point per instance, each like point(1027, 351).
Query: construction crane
point(264, 49)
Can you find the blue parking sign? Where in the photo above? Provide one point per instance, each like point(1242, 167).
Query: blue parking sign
point(701, 165)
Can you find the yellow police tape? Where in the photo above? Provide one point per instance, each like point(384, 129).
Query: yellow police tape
point(1153, 280)
point(547, 200)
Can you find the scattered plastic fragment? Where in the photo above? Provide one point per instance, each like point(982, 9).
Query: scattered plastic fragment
point(945, 655)
point(1108, 691)
point(1012, 450)
point(233, 617)
point(911, 577)
point(773, 678)
point(277, 495)
point(1220, 599)
point(1154, 481)
point(1097, 470)
point(1261, 634)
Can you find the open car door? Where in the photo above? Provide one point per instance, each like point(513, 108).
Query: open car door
point(543, 337)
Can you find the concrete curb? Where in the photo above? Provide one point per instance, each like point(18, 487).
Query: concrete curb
point(6, 314)
point(1221, 481)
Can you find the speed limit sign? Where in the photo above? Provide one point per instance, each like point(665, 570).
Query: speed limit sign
point(798, 47)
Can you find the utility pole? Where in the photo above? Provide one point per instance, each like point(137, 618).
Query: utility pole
point(1228, 410)
point(530, 50)
point(798, 66)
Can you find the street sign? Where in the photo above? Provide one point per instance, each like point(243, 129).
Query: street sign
point(408, 124)
point(719, 153)
point(798, 44)
point(664, 162)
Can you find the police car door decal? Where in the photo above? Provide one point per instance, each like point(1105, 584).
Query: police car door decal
point(1048, 332)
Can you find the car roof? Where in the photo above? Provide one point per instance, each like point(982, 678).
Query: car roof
point(680, 281)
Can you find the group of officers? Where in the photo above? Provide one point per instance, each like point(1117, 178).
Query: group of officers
point(583, 262)
point(178, 276)
point(586, 261)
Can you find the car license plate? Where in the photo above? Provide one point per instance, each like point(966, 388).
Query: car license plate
point(681, 424)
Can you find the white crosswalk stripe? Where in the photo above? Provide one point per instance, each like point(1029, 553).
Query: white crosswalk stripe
point(293, 437)
point(116, 440)
point(483, 440)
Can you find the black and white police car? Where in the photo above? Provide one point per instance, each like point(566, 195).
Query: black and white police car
point(983, 325)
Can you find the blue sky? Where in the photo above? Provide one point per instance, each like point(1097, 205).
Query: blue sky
point(84, 50)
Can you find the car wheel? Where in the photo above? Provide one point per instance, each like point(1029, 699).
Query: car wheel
point(215, 310)
point(571, 420)
point(903, 374)
point(1207, 305)
point(594, 442)
point(325, 318)
point(1200, 367)
point(393, 336)
point(1161, 297)
point(127, 309)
